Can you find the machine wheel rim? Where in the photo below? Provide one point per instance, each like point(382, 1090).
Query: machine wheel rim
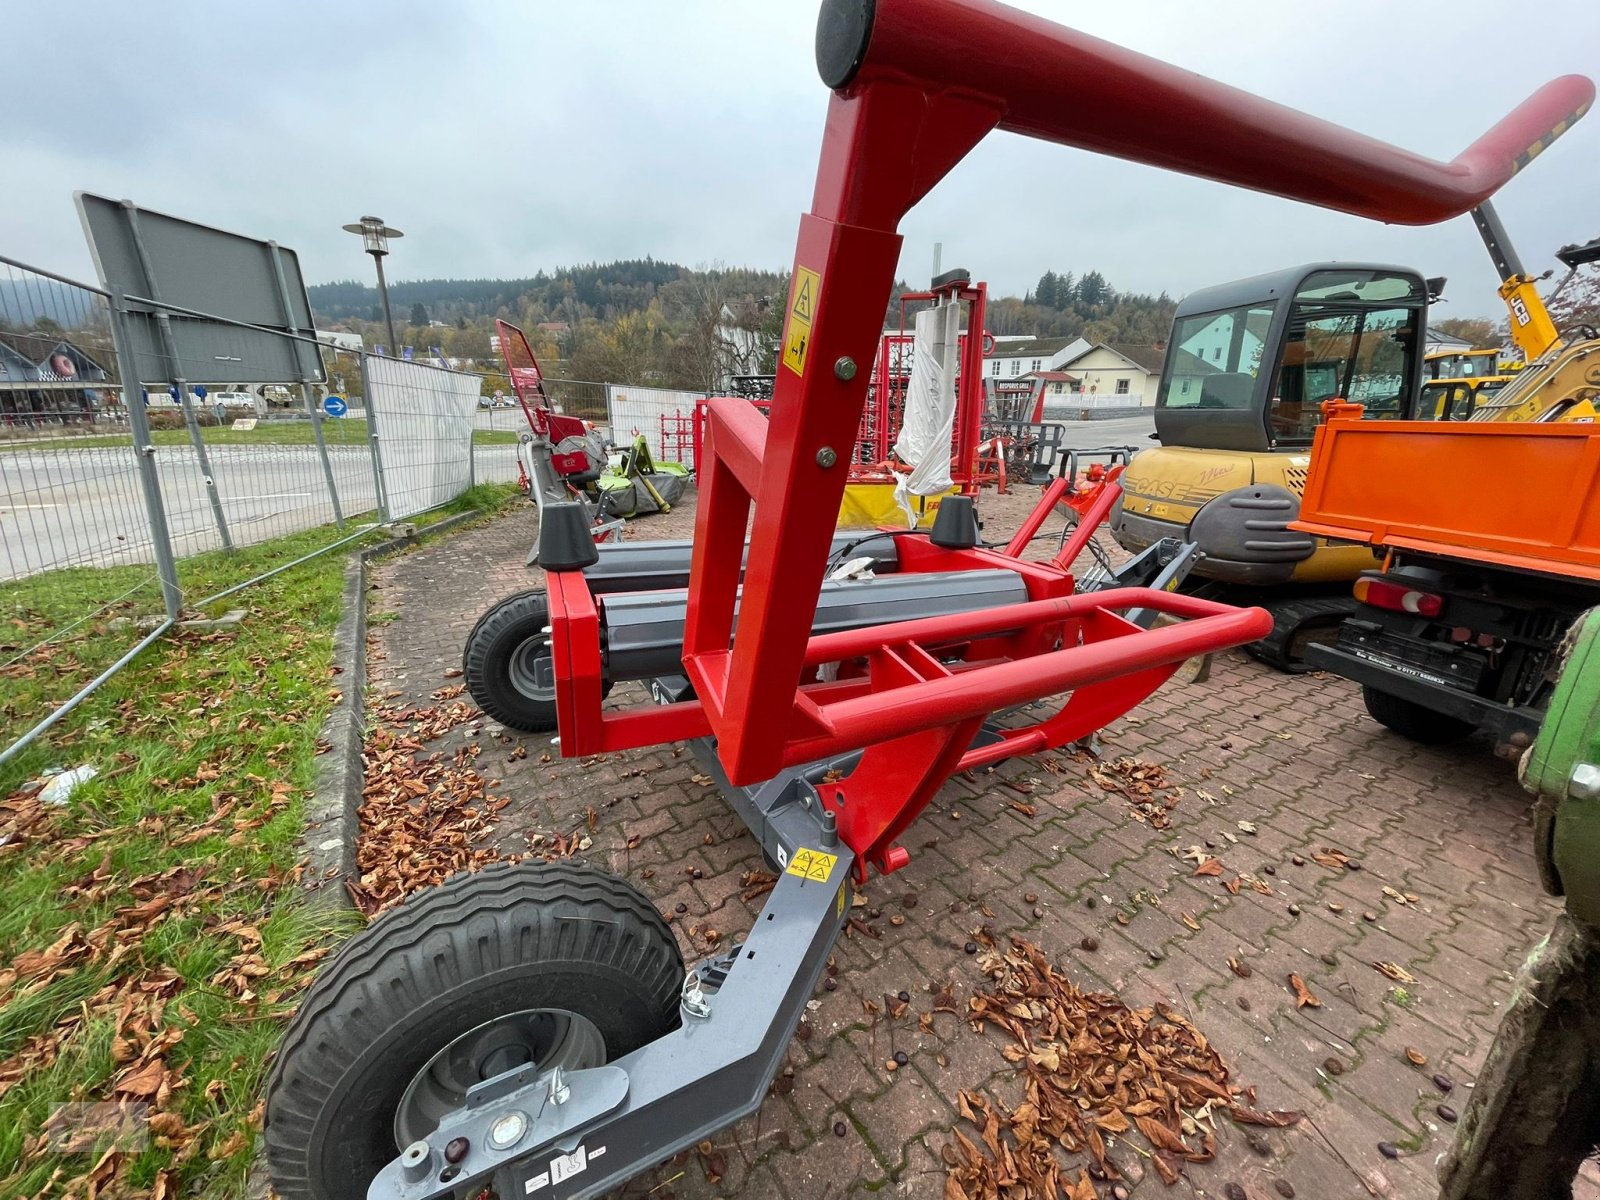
point(532, 669)
point(547, 1037)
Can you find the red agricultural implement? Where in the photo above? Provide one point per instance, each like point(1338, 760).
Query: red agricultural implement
point(560, 458)
point(530, 1029)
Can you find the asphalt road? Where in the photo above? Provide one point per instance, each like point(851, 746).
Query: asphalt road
point(1126, 431)
point(64, 507)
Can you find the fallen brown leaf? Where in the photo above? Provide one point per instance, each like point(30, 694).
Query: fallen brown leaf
point(1256, 1116)
point(1303, 997)
point(1069, 1045)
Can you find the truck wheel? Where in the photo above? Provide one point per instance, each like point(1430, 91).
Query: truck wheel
point(1412, 720)
point(508, 665)
point(552, 963)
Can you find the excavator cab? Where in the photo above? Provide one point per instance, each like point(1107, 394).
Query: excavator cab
point(1455, 381)
point(1483, 363)
point(1251, 362)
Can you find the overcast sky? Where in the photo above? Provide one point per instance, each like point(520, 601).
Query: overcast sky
point(507, 137)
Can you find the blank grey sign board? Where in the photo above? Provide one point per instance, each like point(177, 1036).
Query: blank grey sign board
point(227, 276)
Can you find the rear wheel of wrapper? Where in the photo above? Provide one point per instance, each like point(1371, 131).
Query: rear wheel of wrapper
point(555, 964)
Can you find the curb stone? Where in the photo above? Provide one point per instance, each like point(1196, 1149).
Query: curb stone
point(328, 842)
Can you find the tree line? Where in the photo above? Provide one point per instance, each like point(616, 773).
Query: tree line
point(644, 321)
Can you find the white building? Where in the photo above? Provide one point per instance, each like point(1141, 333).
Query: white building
point(1105, 376)
point(1438, 339)
point(1015, 356)
point(742, 348)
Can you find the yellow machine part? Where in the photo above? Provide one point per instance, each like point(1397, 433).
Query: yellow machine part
point(1449, 398)
point(1553, 388)
point(1170, 484)
point(1531, 327)
point(873, 504)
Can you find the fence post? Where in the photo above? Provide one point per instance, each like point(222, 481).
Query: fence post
point(312, 411)
point(200, 454)
point(144, 455)
point(368, 403)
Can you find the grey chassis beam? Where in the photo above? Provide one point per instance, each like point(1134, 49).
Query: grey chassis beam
point(664, 565)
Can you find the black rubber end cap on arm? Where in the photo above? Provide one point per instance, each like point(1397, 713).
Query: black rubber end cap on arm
point(844, 27)
point(566, 539)
point(955, 525)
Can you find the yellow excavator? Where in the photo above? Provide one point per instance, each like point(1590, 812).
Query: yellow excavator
point(1248, 366)
point(1560, 379)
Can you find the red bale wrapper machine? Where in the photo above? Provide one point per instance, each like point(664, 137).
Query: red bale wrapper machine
point(531, 1028)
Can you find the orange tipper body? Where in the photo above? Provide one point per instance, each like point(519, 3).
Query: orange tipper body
point(1517, 495)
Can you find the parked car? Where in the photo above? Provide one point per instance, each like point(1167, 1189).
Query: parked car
point(235, 400)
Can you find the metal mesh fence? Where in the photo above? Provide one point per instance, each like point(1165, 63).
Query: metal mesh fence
point(423, 420)
point(112, 485)
point(78, 560)
point(110, 488)
point(69, 486)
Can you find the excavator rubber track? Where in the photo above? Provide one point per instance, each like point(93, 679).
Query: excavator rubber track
point(1295, 624)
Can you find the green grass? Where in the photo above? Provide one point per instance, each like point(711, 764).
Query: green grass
point(206, 747)
point(343, 432)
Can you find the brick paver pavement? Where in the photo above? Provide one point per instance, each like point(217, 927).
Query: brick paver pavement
point(1296, 757)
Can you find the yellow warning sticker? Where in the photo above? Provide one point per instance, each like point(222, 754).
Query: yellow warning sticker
point(812, 864)
point(797, 329)
point(806, 282)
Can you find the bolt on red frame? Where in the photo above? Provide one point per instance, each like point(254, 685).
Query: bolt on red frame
point(917, 84)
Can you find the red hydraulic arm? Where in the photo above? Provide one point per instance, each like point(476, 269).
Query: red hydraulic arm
point(917, 84)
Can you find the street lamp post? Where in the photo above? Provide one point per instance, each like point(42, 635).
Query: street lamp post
point(375, 237)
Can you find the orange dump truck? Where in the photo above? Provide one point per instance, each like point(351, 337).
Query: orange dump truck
point(1490, 541)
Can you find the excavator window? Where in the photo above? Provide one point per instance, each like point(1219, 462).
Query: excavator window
point(1337, 348)
point(1367, 287)
point(1217, 358)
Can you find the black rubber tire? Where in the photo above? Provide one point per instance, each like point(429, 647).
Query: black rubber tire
point(1413, 721)
point(482, 945)
point(487, 657)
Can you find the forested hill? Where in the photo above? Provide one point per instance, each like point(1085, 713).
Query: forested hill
point(601, 290)
point(677, 296)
